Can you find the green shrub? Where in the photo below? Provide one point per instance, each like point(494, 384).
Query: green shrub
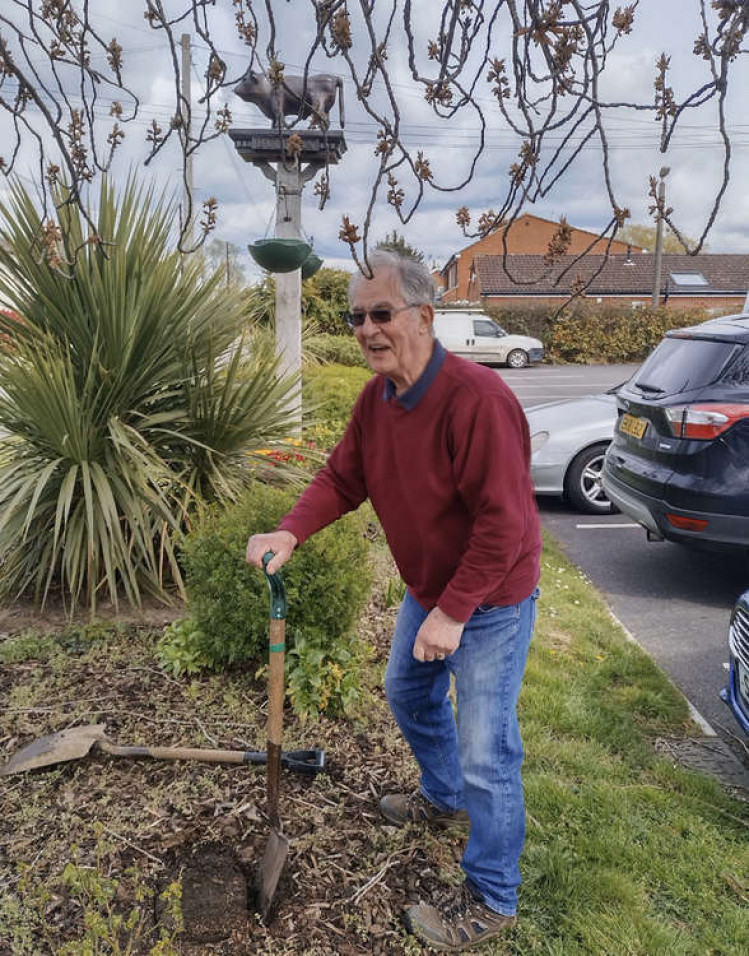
point(327, 583)
point(328, 394)
point(534, 320)
point(590, 332)
point(338, 349)
point(614, 336)
point(325, 299)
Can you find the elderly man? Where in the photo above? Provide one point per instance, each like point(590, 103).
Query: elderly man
point(441, 448)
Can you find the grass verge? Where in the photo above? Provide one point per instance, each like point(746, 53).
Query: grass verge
point(625, 854)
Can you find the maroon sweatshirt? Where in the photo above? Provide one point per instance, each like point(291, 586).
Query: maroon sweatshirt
point(446, 467)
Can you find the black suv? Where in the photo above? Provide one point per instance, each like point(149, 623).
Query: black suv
point(679, 461)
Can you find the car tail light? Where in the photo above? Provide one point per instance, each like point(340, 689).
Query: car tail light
point(687, 524)
point(704, 421)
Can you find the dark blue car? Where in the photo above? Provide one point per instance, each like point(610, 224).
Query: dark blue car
point(736, 693)
point(679, 461)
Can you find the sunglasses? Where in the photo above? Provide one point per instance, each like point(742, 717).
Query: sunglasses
point(358, 317)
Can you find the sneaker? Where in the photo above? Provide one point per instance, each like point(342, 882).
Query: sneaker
point(403, 808)
point(464, 923)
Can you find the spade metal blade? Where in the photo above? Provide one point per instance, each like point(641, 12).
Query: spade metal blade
point(269, 872)
point(70, 744)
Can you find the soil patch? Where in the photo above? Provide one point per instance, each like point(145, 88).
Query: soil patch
point(55, 616)
point(215, 902)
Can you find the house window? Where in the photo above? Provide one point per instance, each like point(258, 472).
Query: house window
point(688, 278)
point(638, 304)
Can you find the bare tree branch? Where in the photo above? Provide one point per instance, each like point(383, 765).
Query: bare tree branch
point(535, 67)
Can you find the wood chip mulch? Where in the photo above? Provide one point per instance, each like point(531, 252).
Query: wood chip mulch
point(144, 824)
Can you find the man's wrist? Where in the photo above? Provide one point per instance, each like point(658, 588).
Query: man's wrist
point(447, 618)
point(453, 617)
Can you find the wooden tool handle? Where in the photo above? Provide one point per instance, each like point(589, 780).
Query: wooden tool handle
point(276, 657)
point(174, 753)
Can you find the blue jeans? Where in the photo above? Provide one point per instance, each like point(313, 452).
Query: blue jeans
point(472, 762)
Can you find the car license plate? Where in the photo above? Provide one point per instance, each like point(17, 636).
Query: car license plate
point(630, 425)
point(742, 673)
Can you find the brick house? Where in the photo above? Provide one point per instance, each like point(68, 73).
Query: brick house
point(717, 283)
point(528, 235)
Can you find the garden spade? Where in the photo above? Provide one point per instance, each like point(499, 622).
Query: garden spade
point(277, 847)
point(76, 742)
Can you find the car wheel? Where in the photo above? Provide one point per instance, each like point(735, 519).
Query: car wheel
point(517, 358)
point(582, 483)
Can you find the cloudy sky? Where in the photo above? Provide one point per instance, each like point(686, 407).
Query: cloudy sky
point(246, 199)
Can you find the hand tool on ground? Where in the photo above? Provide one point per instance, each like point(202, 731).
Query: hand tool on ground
point(277, 847)
point(76, 742)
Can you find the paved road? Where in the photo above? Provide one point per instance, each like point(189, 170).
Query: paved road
point(549, 383)
point(675, 601)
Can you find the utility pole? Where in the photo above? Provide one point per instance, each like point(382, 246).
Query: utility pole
point(186, 112)
point(661, 204)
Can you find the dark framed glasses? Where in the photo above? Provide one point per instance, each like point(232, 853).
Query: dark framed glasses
point(357, 317)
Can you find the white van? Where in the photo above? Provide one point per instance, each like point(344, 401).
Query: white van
point(473, 335)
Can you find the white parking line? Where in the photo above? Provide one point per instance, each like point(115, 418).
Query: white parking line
point(589, 527)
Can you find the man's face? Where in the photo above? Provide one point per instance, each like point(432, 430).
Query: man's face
point(401, 347)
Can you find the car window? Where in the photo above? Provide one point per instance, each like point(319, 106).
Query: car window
point(484, 327)
point(737, 373)
point(678, 365)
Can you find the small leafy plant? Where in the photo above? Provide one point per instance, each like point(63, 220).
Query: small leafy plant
point(180, 649)
point(324, 677)
point(394, 592)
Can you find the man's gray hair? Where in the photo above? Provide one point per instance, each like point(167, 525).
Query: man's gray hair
point(414, 279)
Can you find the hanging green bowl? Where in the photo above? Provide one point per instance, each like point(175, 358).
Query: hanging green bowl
point(280, 255)
point(311, 264)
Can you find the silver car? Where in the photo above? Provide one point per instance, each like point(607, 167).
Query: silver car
point(568, 444)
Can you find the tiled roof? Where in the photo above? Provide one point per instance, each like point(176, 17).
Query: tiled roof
point(474, 248)
point(725, 274)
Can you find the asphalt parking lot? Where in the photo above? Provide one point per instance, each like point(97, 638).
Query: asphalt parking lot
point(550, 383)
point(674, 601)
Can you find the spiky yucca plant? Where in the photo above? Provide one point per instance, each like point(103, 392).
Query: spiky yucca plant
point(126, 396)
